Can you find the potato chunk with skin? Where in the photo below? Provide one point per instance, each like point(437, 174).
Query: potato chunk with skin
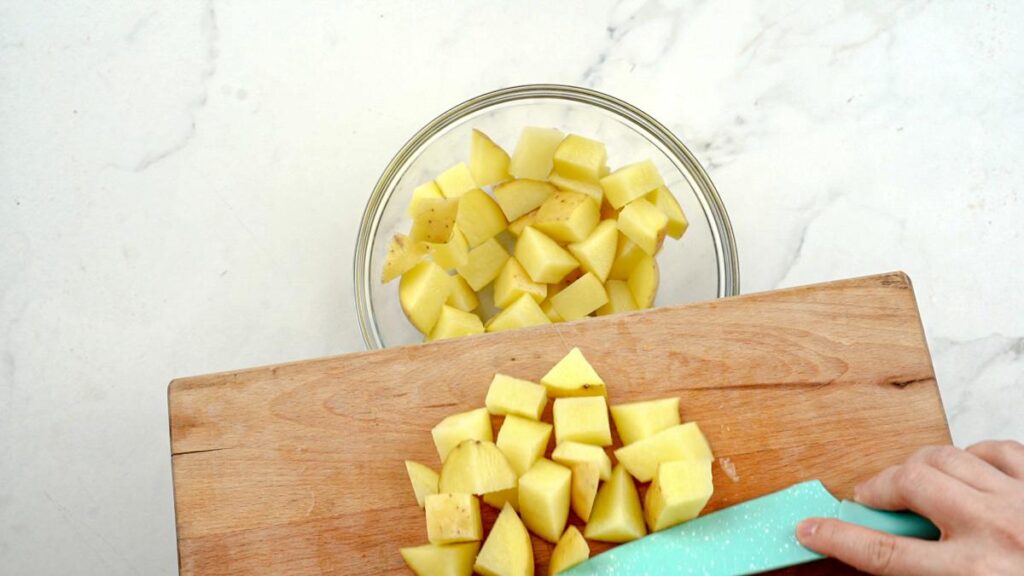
point(638, 420)
point(518, 197)
point(585, 478)
point(596, 253)
point(581, 298)
point(679, 492)
point(453, 430)
point(435, 220)
point(667, 203)
point(523, 313)
point(403, 254)
point(617, 516)
point(571, 453)
point(454, 323)
point(450, 254)
point(683, 442)
point(573, 376)
point(427, 190)
point(475, 467)
point(582, 419)
point(453, 518)
point(580, 158)
point(534, 154)
point(631, 182)
point(513, 282)
point(508, 550)
point(569, 185)
point(567, 216)
point(544, 498)
point(508, 395)
point(441, 560)
point(479, 217)
point(542, 258)
point(523, 441)
point(571, 549)
point(643, 282)
point(627, 256)
point(488, 163)
point(644, 224)
point(422, 292)
point(483, 264)
point(620, 298)
point(462, 296)
point(423, 479)
point(456, 181)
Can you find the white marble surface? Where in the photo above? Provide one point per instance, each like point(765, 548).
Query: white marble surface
point(181, 182)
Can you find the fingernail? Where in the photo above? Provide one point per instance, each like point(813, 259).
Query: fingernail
point(806, 529)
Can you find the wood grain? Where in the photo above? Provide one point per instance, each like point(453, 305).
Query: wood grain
point(298, 468)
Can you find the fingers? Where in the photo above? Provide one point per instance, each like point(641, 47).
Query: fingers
point(1006, 455)
point(962, 465)
point(921, 488)
point(871, 551)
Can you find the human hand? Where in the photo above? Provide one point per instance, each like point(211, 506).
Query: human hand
point(974, 496)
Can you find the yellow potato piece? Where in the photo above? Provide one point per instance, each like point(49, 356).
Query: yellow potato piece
point(644, 224)
point(585, 478)
point(627, 255)
point(638, 420)
point(523, 441)
point(507, 550)
point(544, 498)
point(542, 258)
point(667, 203)
point(549, 310)
point(435, 220)
point(573, 376)
point(580, 158)
point(462, 296)
point(571, 549)
point(483, 264)
point(479, 217)
point(441, 560)
point(456, 181)
point(508, 395)
point(421, 192)
point(422, 292)
point(423, 479)
point(631, 182)
point(620, 298)
point(582, 419)
point(643, 281)
point(488, 163)
point(453, 430)
point(534, 154)
point(516, 226)
point(450, 254)
point(573, 453)
point(513, 282)
point(402, 255)
point(475, 467)
point(454, 323)
point(683, 442)
point(519, 197)
point(679, 492)
point(497, 500)
point(523, 313)
point(581, 298)
point(567, 216)
point(596, 253)
point(569, 185)
point(453, 518)
point(617, 516)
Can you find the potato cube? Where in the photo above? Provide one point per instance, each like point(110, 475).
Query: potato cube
point(568, 216)
point(582, 419)
point(454, 323)
point(620, 298)
point(518, 197)
point(479, 217)
point(679, 492)
point(497, 500)
point(423, 479)
point(667, 203)
point(453, 518)
point(573, 453)
point(641, 458)
point(508, 395)
point(544, 498)
point(542, 258)
point(631, 182)
point(627, 256)
point(450, 254)
point(564, 283)
point(549, 310)
point(534, 154)
point(523, 313)
point(471, 425)
point(508, 550)
point(523, 441)
point(422, 292)
point(516, 226)
point(573, 376)
point(462, 296)
point(513, 282)
point(638, 420)
point(596, 253)
point(585, 478)
point(580, 158)
point(643, 281)
point(435, 220)
point(488, 163)
point(441, 560)
point(571, 549)
point(403, 254)
point(483, 264)
point(427, 190)
point(581, 298)
point(475, 467)
point(617, 516)
point(569, 185)
point(644, 224)
point(456, 181)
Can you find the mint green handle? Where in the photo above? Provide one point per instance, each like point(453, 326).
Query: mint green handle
point(898, 523)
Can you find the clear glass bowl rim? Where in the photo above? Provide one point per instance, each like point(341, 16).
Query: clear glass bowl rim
point(720, 226)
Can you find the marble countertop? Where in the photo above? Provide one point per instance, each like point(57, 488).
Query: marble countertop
point(181, 184)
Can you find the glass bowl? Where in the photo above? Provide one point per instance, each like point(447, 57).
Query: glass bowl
point(701, 266)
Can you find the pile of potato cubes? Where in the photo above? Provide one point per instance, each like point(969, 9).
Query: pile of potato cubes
point(535, 494)
point(545, 235)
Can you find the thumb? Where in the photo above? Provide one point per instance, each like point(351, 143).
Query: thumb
point(871, 551)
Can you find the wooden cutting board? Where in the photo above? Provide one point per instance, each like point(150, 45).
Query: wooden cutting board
point(298, 468)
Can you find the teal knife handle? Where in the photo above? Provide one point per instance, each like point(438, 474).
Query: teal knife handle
point(897, 523)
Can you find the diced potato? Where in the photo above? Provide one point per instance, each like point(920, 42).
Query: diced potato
point(582, 419)
point(462, 295)
point(573, 376)
point(479, 217)
point(450, 254)
point(422, 292)
point(643, 282)
point(569, 185)
point(571, 549)
point(550, 311)
point(513, 282)
point(423, 479)
point(544, 498)
point(679, 492)
point(507, 550)
point(475, 467)
point(488, 163)
point(438, 560)
point(516, 226)
point(435, 220)
point(585, 478)
point(581, 298)
point(427, 190)
point(638, 420)
point(453, 518)
point(453, 430)
point(523, 441)
point(616, 516)
point(620, 298)
point(683, 442)
point(580, 158)
point(667, 203)
point(631, 182)
point(454, 323)
point(523, 313)
point(568, 216)
point(456, 181)
point(534, 153)
point(644, 224)
point(542, 258)
point(627, 256)
point(403, 254)
point(519, 197)
point(574, 453)
point(508, 395)
point(596, 253)
point(484, 264)
point(498, 499)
